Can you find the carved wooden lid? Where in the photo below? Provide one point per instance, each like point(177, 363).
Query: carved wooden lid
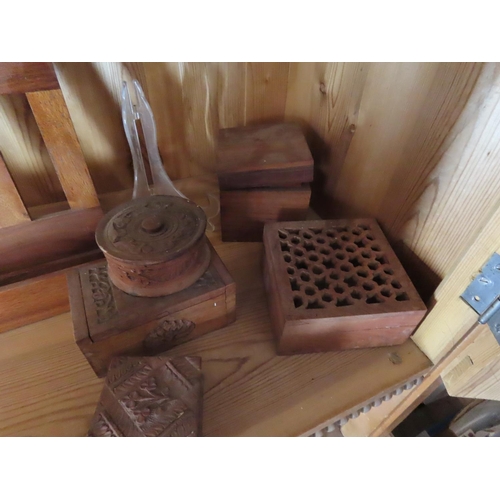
point(266, 155)
point(150, 397)
point(154, 229)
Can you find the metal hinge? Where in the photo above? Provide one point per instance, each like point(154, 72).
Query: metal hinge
point(483, 295)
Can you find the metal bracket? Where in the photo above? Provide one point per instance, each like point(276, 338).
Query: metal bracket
point(483, 295)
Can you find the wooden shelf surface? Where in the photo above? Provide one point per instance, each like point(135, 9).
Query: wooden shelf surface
point(48, 389)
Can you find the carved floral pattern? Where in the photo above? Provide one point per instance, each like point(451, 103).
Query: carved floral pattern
point(102, 294)
point(102, 428)
point(156, 398)
point(179, 221)
point(167, 334)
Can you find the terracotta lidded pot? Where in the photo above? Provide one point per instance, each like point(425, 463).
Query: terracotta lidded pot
point(154, 245)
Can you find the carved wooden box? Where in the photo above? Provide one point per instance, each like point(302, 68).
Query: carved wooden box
point(109, 322)
point(154, 246)
point(336, 284)
point(150, 397)
point(264, 173)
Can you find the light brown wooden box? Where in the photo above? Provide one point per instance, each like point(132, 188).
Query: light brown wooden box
point(108, 322)
point(336, 285)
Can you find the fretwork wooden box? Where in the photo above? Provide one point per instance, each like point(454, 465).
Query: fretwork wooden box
point(336, 284)
point(108, 322)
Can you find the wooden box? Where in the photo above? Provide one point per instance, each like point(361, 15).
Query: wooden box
point(264, 173)
point(336, 284)
point(150, 397)
point(108, 322)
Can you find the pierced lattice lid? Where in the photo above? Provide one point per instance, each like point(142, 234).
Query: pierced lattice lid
point(332, 268)
point(153, 229)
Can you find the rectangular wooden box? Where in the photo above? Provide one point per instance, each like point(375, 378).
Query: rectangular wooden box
point(264, 173)
point(336, 284)
point(108, 322)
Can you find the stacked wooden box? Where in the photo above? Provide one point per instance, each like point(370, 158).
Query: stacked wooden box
point(264, 174)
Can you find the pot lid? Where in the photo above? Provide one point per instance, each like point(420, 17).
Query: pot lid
point(153, 229)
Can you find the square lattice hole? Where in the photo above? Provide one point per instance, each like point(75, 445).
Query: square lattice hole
point(294, 284)
point(379, 279)
point(351, 281)
point(314, 304)
point(309, 247)
point(321, 284)
point(301, 264)
point(328, 263)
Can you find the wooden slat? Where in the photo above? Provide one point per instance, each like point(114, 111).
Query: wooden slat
point(369, 423)
point(57, 130)
point(34, 300)
point(12, 209)
point(451, 318)
point(26, 247)
point(25, 153)
point(22, 77)
point(92, 94)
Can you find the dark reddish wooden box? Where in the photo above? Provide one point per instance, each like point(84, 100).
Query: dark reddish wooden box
point(150, 397)
point(108, 322)
point(336, 284)
point(264, 175)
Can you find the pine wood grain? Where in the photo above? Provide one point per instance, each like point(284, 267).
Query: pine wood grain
point(451, 316)
point(326, 97)
point(57, 130)
point(473, 374)
point(47, 388)
point(165, 94)
point(12, 209)
point(405, 113)
point(461, 191)
point(231, 94)
point(265, 94)
point(199, 100)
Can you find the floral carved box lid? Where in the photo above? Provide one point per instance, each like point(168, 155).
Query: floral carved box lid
point(150, 397)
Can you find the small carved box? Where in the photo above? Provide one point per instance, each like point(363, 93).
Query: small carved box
point(264, 174)
point(154, 246)
point(336, 284)
point(109, 322)
point(150, 397)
